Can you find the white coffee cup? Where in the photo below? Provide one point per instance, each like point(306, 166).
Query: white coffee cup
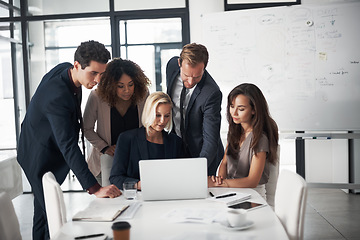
point(236, 217)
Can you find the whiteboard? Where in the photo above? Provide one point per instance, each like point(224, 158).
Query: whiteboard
point(304, 58)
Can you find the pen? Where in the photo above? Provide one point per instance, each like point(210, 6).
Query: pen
point(227, 195)
point(90, 236)
point(211, 194)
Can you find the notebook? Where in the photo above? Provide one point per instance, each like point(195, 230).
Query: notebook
point(231, 198)
point(104, 213)
point(169, 179)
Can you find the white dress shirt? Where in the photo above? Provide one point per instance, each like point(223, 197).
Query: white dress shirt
point(175, 93)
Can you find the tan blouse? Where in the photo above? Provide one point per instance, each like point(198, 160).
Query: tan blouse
point(240, 167)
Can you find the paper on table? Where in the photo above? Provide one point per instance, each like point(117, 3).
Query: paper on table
point(239, 197)
point(192, 215)
point(130, 211)
point(103, 213)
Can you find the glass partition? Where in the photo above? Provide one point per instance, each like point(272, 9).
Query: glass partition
point(7, 122)
point(148, 42)
point(54, 42)
point(46, 7)
point(125, 5)
point(12, 96)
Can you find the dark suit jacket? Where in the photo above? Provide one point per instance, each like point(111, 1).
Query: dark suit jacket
point(131, 147)
point(202, 119)
point(50, 132)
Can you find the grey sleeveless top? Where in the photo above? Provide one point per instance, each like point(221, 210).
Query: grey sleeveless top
point(240, 167)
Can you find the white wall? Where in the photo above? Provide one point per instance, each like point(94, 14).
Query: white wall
point(196, 10)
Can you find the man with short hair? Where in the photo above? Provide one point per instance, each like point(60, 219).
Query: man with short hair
point(197, 104)
point(50, 131)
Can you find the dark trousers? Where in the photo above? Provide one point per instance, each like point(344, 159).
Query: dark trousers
point(40, 229)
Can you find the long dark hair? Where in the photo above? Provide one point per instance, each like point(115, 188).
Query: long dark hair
point(262, 122)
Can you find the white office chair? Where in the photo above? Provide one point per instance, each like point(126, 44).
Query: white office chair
point(9, 223)
point(290, 203)
point(54, 203)
point(270, 186)
point(106, 162)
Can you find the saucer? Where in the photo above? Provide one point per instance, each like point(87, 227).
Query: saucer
point(246, 225)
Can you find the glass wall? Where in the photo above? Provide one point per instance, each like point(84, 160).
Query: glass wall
point(121, 5)
point(47, 7)
point(7, 122)
point(151, 43)
point(11, 9)
point(12, 101)
point(59, 47)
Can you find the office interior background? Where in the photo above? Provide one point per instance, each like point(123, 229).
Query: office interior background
point(36, 35)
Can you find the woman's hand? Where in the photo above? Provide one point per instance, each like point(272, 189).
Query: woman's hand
point(215, 181)
point(110, 150)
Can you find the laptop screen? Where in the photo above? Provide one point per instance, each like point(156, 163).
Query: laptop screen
point(167, 179)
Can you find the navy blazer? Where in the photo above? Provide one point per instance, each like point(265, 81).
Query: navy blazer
point(131, 147)
point(202, 119)
point(50, 133)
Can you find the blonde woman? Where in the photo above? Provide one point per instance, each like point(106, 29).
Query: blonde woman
point(152, 141)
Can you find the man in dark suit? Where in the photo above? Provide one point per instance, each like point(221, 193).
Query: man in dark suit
point(50, 131)
point(197, 104)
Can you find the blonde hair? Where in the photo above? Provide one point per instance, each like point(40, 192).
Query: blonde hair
point(149, 112)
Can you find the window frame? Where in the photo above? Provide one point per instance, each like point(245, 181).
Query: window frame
point(259, 4)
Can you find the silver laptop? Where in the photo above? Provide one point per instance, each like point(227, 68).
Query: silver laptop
point(167, 179)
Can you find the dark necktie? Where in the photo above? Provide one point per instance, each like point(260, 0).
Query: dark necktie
point(182, 123)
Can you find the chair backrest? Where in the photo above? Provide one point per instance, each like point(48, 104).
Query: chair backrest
point(290, 203)
point(270, 186)
point(9, 224)
point(54, 203)
point(106, 162)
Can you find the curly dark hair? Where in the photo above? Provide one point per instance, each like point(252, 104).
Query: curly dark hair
point(109, 79)
point(91, 51)
point(262, 122)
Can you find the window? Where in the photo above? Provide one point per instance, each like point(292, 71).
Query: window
point(151, 43)
point(12, 100)
point(7, 124)
point(61, 38)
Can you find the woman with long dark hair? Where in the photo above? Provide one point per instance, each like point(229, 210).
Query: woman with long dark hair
point(252, 141)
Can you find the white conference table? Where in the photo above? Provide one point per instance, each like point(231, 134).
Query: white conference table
point(149, 221)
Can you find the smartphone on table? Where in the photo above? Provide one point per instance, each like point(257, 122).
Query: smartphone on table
point(247, 205)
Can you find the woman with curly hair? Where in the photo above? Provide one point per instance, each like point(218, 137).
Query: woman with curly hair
point(252, 141)
point(115, 106)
